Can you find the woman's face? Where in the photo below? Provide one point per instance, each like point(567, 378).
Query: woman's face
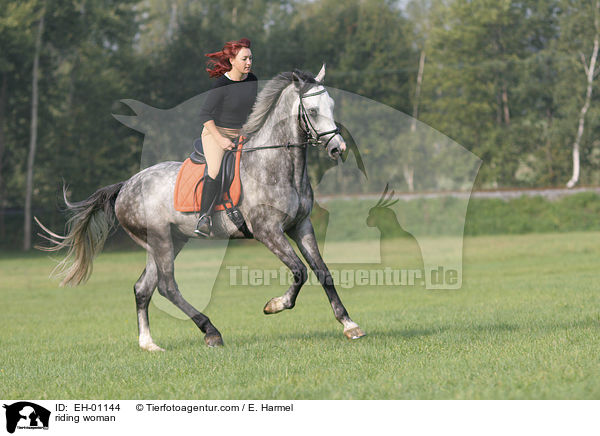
point(242, 62)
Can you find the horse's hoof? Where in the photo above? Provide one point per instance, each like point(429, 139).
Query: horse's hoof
point(214, 341)
point(354, 333)
point(151, 347)
point(275, 305)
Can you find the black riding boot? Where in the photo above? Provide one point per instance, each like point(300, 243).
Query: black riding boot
point(209, 192)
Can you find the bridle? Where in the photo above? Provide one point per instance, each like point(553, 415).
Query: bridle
point(313, 136)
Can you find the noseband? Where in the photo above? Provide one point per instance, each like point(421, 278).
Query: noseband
point(314, 137)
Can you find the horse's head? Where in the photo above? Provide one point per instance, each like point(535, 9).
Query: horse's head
point(315, 114)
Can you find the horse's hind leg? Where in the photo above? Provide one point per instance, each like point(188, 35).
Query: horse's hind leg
point(304, 235)
point(143, 289)
point(164, 253)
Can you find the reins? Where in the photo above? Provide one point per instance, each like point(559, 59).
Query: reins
point(264, 147)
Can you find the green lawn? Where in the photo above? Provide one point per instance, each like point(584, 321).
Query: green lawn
point(525, 325)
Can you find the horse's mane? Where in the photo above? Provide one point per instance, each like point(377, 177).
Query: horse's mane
point(267, 98)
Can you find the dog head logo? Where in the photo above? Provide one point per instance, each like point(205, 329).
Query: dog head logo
point(26, 415)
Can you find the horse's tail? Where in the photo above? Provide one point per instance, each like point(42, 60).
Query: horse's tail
point(87, 230)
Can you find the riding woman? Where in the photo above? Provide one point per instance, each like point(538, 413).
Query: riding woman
point(224, 112)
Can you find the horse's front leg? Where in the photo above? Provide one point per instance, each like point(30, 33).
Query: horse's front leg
point(304, 235)
point(274, 239)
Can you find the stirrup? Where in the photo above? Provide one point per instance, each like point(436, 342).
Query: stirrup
point(204, 225)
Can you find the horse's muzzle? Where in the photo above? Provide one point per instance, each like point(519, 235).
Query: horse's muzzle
point(335, 149)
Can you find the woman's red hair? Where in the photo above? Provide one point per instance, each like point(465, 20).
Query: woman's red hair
point(218, 62)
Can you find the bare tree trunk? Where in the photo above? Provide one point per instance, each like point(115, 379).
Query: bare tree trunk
point(173, 22)
point(409, 175)
point(33, 134)
point(548, 148)
point(413, 126)
point(498, 109)
point(505, 104)
point(2, 148)
point(589, 71)
point(407, 169)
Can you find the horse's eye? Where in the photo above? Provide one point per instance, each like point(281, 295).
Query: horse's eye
point(313, 112)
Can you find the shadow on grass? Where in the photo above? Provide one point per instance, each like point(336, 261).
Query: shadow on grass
point(284, 340)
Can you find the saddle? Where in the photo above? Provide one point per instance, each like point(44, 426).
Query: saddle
point(188, 187)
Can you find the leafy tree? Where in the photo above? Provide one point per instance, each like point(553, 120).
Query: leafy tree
point(580, 39)
point(479, 53)
point(16, 40)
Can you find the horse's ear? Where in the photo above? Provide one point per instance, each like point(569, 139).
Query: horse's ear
point(321, 74)
point(297, 80)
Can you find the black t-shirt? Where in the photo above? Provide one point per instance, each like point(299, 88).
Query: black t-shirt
point(229, 102)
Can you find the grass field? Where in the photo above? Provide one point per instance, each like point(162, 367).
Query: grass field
point(525, 325)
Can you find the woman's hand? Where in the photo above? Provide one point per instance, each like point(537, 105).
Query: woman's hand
point(226, 143)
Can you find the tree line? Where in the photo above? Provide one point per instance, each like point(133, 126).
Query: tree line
point(512, 81)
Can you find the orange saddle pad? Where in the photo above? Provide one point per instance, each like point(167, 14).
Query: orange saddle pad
point(188, 195)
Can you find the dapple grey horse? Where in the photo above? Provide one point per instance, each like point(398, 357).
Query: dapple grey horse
point(292, 111)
